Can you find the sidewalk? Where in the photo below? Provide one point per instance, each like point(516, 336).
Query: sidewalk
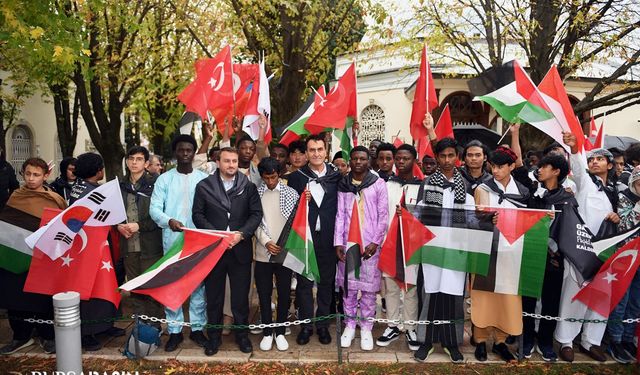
point(314, 352)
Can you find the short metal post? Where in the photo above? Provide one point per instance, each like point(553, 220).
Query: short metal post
point(66, 318)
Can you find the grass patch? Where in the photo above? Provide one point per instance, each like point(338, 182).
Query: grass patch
point(27, 364)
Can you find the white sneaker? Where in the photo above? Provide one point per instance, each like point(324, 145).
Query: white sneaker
point(347, 337)
point(366, 340)
point(281, 343)
point(266, 343)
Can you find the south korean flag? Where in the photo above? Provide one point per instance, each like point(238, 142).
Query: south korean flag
point(103, 206)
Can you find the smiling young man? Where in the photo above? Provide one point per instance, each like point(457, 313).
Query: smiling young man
point(322, 179)
point(278, 204)
point(18, 218)
point(597, 199)
point(140, 236)
point(227, 200)
point(397, 298)
point(171, 205)
point(369, 192)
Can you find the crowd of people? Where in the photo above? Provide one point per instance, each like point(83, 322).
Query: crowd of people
point(252, 190)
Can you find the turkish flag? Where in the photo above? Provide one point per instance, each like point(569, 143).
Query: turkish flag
point(75, 269)
point(425, 98)
point(611, 282)
point(340, 103)
point(106, 285)
point(213, 86)
point(245, 77)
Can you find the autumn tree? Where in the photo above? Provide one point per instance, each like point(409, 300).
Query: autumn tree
point(38, 56)
point(573, 34)
point(301, 40)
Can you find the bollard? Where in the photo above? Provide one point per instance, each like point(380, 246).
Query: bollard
point(66, 318)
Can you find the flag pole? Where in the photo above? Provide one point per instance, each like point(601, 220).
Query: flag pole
point(354, 135)
point(404, 260)
point(426, 74)
point(306, 243)
point(233, 92)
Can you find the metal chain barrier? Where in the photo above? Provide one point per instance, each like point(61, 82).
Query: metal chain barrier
point(327, 317)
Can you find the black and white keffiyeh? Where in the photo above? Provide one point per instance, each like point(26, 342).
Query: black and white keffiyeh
point(437, 183)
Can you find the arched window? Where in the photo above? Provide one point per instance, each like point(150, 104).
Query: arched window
point(463, 109)
point(372, 123)
point(21, 147)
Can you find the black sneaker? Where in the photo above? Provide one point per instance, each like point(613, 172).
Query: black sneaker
point(48, 346)
point(389, 335)
point(199, 338)
point(547, 353)
point(412, 340)
point(503, 351)
point(528, 349)
point(454, 354)
point(617, 352)
point(15, 345)
point(630, 348)
point(423, 352)
point(90, 343)
point(174, 340)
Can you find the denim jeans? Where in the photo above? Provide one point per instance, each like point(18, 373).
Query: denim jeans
point(627, 308)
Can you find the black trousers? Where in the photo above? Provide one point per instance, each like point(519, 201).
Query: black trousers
point(264, 273)
point(22, 330)
point(550, 300)
point(443, 306)
point(240, 282)
point(326, 256)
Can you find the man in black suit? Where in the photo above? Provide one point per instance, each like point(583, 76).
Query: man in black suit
point(227, 200)
point(322, 179)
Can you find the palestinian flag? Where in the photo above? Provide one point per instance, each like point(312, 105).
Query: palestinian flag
point(604, 248)
point(400, 252)
point(173, 278)
point(15, 226)
point(517, 99)
point(295, 129)
point(355, 247)
point(298, 253)
point(518, 253)
point(461, 238)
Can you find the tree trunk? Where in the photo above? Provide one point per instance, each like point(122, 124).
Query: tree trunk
point(66, 118)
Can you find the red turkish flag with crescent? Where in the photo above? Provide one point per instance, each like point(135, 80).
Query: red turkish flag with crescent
point(340, 103)
point(75, 270)
point(611, 282)
point(213, 86)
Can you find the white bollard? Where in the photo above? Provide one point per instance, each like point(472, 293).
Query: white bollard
point(66, 318)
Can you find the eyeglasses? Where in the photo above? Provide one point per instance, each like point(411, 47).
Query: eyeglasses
point(136, 159)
